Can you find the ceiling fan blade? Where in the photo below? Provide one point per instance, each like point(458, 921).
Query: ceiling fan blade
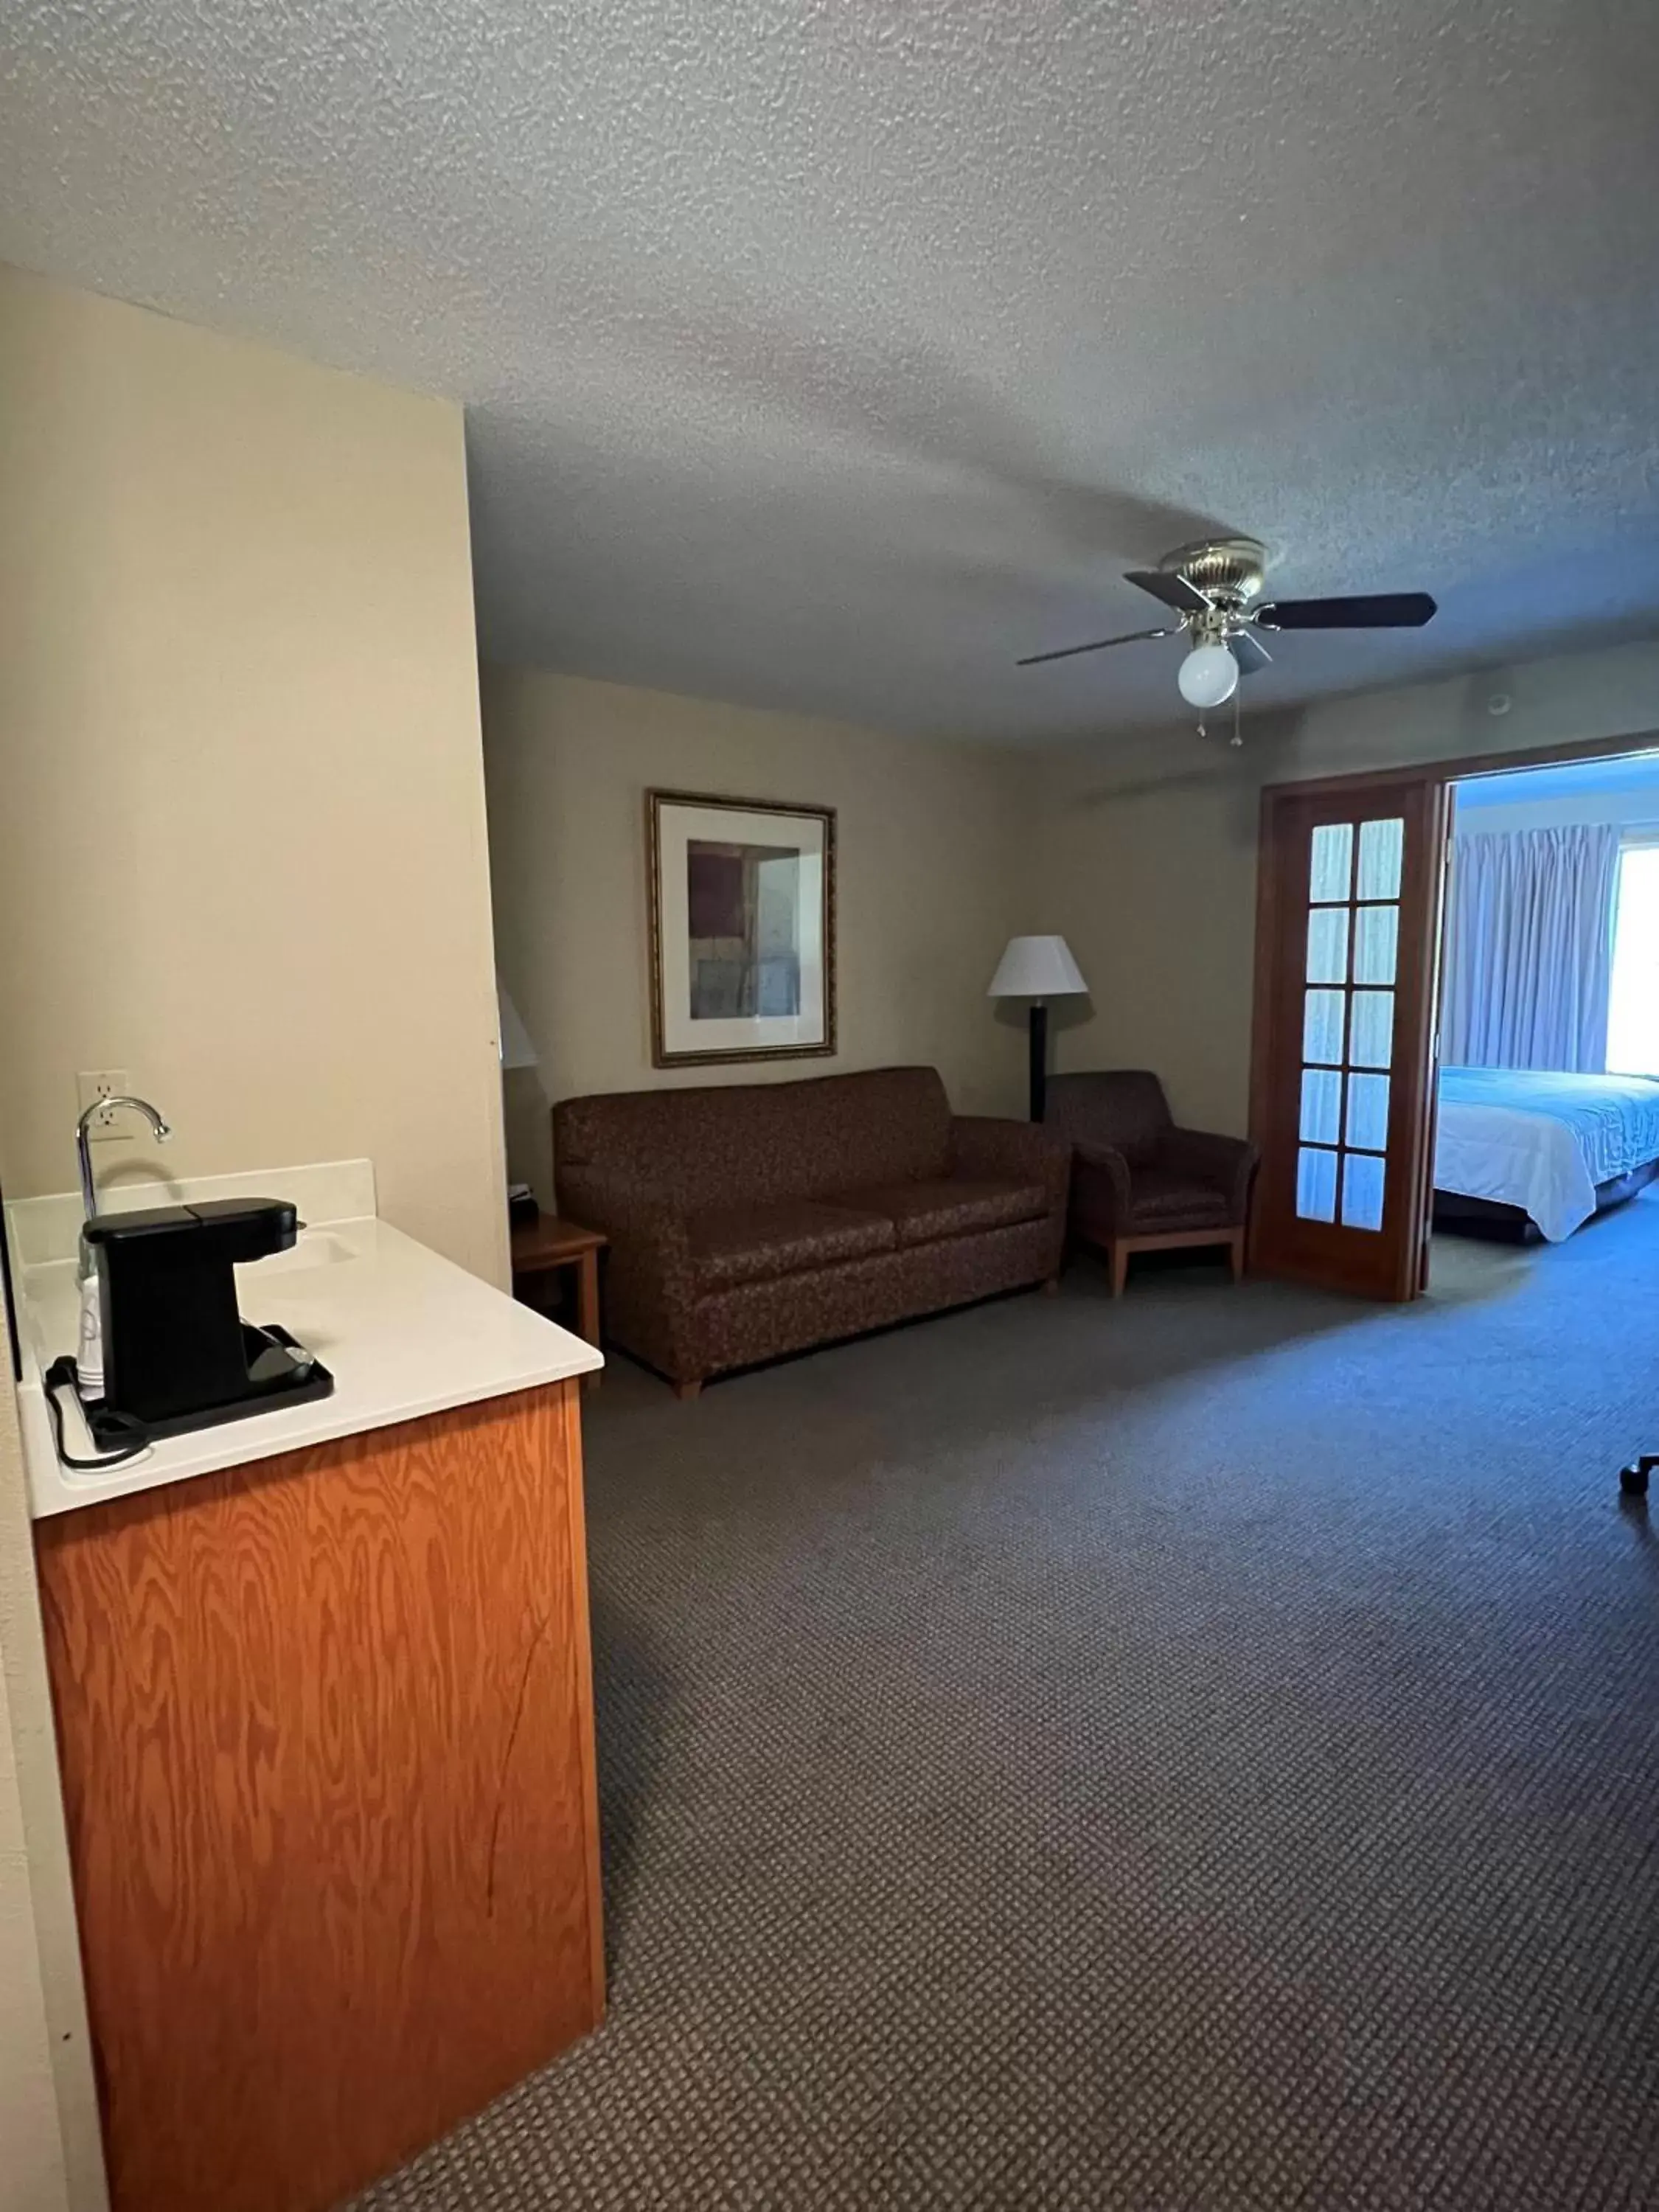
point(1385, 611)
point(1175, 591)
point(1249, 651)
point(1100, 645)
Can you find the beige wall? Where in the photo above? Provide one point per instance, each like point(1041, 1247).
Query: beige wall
point(1145, 855)
point(34, 2152)
point(928, 847)
point(242, 848)
point(242, 856)
point(49, 2146)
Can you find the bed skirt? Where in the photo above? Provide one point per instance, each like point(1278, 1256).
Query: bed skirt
point(1511, 1224)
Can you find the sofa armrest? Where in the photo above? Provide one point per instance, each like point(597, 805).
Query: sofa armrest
point(1226, 1163)
point(984, 1144)
point(634, 1212)
point(649, 1287)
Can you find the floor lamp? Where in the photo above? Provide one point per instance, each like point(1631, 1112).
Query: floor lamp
point(1038, 969)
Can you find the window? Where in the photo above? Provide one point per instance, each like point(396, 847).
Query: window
point(1633, 1005)
point(1347, 1021)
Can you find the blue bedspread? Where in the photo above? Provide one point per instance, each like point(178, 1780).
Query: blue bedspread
point(1542, 1141)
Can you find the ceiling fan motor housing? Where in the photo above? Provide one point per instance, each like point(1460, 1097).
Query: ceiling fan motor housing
point(1229, 569)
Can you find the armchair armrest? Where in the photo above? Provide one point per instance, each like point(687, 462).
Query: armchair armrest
point(1102, 1187)
point(1227, 1164)
point(985, 1144)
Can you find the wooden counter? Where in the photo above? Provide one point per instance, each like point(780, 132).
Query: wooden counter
point(326, 1723)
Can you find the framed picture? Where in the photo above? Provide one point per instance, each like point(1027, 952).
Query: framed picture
point(742, 928)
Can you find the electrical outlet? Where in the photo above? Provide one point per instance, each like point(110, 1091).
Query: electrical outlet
point(95, 1083)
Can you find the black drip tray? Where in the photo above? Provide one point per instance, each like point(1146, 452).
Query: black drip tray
point(265, 1393)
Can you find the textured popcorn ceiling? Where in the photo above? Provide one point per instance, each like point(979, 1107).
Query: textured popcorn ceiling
point(833, 354)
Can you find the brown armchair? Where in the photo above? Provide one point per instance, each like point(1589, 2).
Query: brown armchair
point(1138, 1183)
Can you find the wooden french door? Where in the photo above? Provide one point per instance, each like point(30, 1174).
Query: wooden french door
point(1347, 959)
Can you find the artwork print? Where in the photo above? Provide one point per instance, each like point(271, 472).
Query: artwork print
point(742, 928)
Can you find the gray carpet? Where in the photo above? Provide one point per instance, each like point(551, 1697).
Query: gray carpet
point(1195, 1753)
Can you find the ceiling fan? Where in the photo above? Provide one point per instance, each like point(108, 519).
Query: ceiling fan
point(1214, 587)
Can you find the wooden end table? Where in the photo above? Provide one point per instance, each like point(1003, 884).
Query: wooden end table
point(547, 1243)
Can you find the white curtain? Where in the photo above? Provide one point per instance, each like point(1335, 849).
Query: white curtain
point(1529, 949)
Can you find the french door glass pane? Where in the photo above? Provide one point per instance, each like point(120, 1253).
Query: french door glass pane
point(1330, 873)
point(1362, 1190)
point(1322, 1027)
point(1375, 944)
point(1370, 1041)
point(1328, 945)
point(1367, 1112)
point(1382, 848)
point(1316, 1185)
point(1321, 1105)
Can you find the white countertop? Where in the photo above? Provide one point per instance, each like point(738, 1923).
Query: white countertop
point(405, 1332)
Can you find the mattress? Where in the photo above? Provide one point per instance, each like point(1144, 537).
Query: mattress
point(1542, 1141)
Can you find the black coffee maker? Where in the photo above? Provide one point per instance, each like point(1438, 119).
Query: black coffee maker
point(176, 1354)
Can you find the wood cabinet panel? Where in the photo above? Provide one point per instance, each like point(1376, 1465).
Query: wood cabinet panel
point(326, 1734)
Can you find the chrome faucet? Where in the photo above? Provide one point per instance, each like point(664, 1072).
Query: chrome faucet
point(83, 1144)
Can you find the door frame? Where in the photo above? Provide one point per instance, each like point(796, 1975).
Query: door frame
point(1393, 1269)
point(1269, 920)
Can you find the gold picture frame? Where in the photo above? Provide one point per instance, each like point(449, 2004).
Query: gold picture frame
point(741, 904)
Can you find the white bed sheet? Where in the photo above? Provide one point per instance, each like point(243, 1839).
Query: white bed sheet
point(1542, 1141)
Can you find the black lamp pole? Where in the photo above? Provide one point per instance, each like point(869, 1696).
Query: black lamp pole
point(1039, 1057)
point(1035, 969)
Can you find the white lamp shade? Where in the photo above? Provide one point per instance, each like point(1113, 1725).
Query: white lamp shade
point(1036, 968)
point(516, 1051)
point(1207, 677)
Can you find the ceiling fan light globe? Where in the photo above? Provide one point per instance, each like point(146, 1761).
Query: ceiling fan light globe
point(1209, 676)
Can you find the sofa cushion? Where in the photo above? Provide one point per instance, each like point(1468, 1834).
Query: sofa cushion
point(735, 1244)
point(709, 1147)
point(1160, 1198)
point(954, 1206)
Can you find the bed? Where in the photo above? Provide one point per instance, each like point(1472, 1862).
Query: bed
point(1524, 1152)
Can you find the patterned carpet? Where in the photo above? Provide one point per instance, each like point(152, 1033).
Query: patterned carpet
point(1192, 1754)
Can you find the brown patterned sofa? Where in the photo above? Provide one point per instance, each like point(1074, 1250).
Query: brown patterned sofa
point(757, 1219)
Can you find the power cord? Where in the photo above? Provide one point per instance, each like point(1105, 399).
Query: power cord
point(60, 1376)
